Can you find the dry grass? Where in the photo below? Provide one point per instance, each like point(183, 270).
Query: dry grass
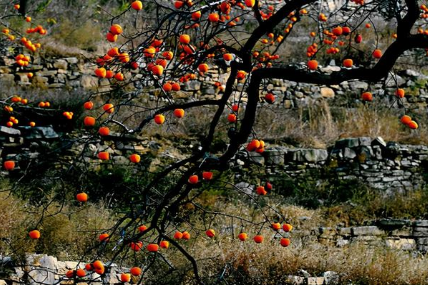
point(321, 125)
point(66, 235)
point(225, 260)
point(270, 264)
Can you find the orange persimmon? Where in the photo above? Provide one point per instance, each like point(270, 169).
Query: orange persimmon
point(367, 96)
point(242, 236)
point(103, 155)
point(179, 113)
point(285, 242)
point(82, 197)
point(152, 247)
point(258, 238)
point(159, 119)
point(9, 164)
point(313, 64)
point(137, 5)
point(135, 158)
point(194, 179)
point(34, 234)
point(210, 233)
point(89, 121)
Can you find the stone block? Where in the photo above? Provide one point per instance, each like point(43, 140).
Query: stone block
point(345, 231)
point(367, 231)
point(350, 143)
point(288, 104)
point(181, 94)
point(423, 248)
point(394, 80)
point(401, 244)
point(422, 241)
point(62, 74)
point(331, 278)
point(56, 85)
point(6, 131)
point(355, 85)
point(294, 155)
point(365, 141)
point(89, 82)
point(369, 240)
point(193, 85)
point(379, 141)
point(421, 223)
point(420, 232)
point(274, 156)
point(315, 155)
point(256, 158)
point(23, 76)
point(349, 153)
point(71, 60)
point(34, 67)
point(47, 132)
point(327, 92)
point(46, 73)
point(121, 160)
point(295, 280)
point(389, 179)
point(61, 64)
point(374, 179)
point(315, 281)
point(245, 188)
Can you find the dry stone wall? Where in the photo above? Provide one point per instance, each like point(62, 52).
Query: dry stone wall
point(389, 167)
point(75, 73)
point(410, 235)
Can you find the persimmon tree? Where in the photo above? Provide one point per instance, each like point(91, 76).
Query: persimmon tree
point(172, 44)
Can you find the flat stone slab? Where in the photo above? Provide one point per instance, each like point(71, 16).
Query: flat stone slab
point(9, 131)
point(420, 232)
point(421, 223)
point(350, 143)
point(394, 223)
point(367, 231)
point(39, 133)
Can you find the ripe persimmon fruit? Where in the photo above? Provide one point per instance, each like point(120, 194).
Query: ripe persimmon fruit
point(152, 247)
point(34, 234)
point(312, 64)
point(82, 197)
point(194, 179)
point(258, 238)
point(210, 233)
point(135, 158)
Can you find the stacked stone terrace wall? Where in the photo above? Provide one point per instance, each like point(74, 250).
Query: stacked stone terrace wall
point(388, 233)
point(389, 167)
point(74, 73)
